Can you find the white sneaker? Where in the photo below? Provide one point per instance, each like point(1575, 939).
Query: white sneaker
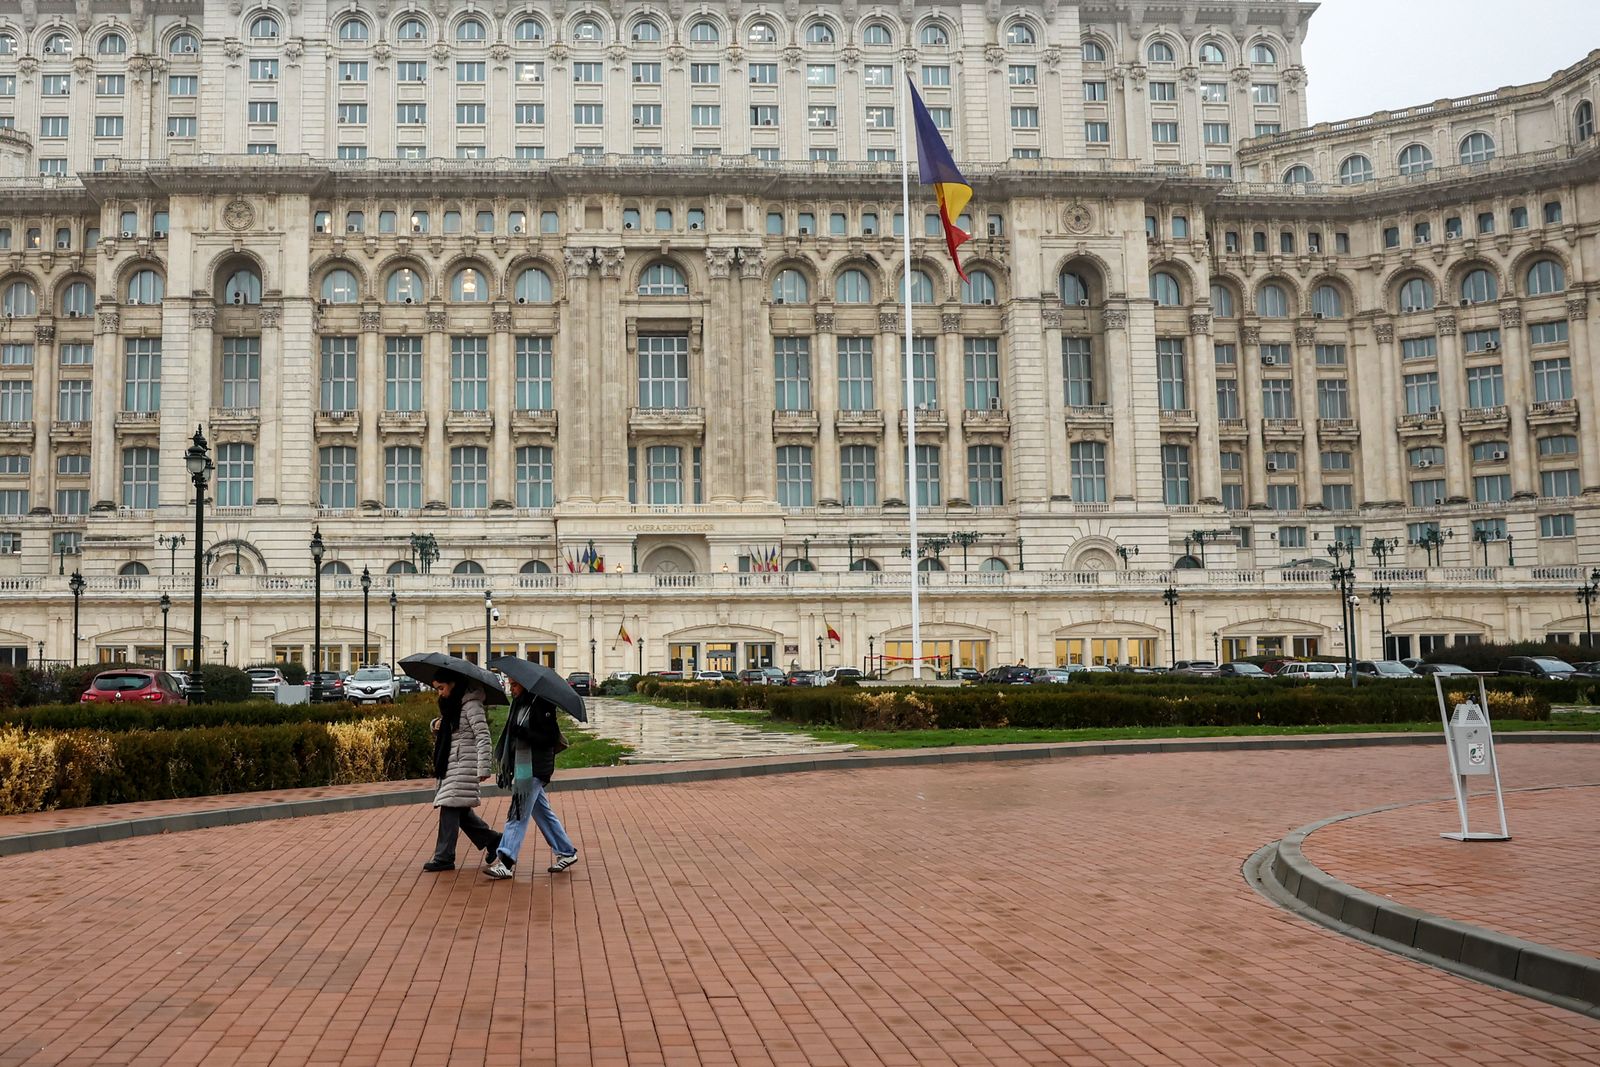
point(562, 863)
point(498, 869)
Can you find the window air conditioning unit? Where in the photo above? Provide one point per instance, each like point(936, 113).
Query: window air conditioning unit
point(351, 228)
point(408, 300)
point(1269, 361)
point(522, 300)
point(994, 403)
point(349, 77)
point(1272, 468)
point(987, 302)
point(516, 229)
point(1497, 456)
point(1318, 315)
point(627, 225)
point(127, 234)
point(694, 226)
point(1465, 302)
point(869, 231)
point(805, 231)
point(1491, 346)
point(1437, 501)
point(416, 228)
point(188, 49)
point(321, 228)
point(638, 79)
point(1083, 303)
point(1423, 464)
point(1433, 411)
point(63, 244)
point(638, 122)
point(1422, 239)
point(238, 298)
point(74, 314)
point(1408, 309)
point(994, 230)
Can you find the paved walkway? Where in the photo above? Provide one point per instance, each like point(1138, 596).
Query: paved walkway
point(1085, 911)
point(669, 735)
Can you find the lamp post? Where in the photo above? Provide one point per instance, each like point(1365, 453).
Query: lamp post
point(1125, 551)
point(76, 584)
point(1216, 647)
point(594, 648)
point(317, 549)
point(966, 539)
point(641, 655)
point(1587, 594)
point(872, 662)
point(1344, 579)
point(171, 543)
point(1432, 543)
point(224, 651)
point(1511, 550)
point(488, 626)
point(166, 606)
point(1381, 547)
point(197, 461)
point(1381, 597)
point(394, 605)
point(424, 550)
point(819, 653)
point(1172, 598)
point(41, 653)
point(366, 615)
point(1483, 535)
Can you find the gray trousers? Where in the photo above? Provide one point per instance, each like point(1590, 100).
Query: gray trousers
point(453, 821)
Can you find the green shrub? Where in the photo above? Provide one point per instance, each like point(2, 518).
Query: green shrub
point(119, 717)
point(293, 673)
point(1488, 657)
point(224, 685)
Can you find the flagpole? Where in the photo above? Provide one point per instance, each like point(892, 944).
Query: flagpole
point(911, 384)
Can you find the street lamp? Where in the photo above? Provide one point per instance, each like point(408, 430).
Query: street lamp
point(1432, 543)
point(1381, 547)
point(166, 606)
point(872, 660)
point(76, 584)
point(1483, 535)
point(1381, 597)
point(366, 617)
point(1587, 594)
point(171, 543)
point(819, 653)
point(197, 461)
point(594, 648)
point(1344, 579)
point(224, 651)
point(394, 605)
point(488, 625)
point(1171, 597)
point(966, 539)
point(317, 549)
point(1216, 647)
point(1125, 551)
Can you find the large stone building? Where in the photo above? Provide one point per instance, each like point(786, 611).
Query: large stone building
point(598, 307)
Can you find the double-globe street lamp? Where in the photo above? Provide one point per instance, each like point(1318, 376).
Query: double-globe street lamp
point(1172, 598)
point(317, 550)
point(77, 585)
point(1344, 580)
point(166, 606)
point(1586, 595)
point(1381, 596)
point(197, 461)
point(394, 632)
point(366, 607)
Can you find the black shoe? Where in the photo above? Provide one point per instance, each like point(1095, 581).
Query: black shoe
point(562, 863)
point(438, 865)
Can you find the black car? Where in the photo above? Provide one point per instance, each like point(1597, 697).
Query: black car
point(582, 683)
point(800, 678)
point(1017, 675)
point(326, 686)
point(1541, 667)
point(968, 675)
point(404, 684)
point(1239, 669)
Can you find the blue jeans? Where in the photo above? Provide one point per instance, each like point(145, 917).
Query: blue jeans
point(539, 811)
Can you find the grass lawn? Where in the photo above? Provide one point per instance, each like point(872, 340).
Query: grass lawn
point(584, 749)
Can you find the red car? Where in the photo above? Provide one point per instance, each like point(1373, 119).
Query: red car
point(134, 684)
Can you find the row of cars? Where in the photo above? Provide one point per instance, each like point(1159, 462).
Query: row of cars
point(147, 685)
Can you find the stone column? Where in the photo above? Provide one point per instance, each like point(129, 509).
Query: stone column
point(1305, 359)
point(1385, 468)
point(1586, 387)
point(571, 390)
point(502, 394)
point(1203, 399)
point(890, 385)
point(436, 402)
point(756, 376)
point(1452, 396)
point(371, 374)
point(1028, 463)
point(1255, 445)
point(105, 462)
point(952, 402)
point(1124, 452)
point(616, 379)
point(269, 439)
point(718, 378)
point(1054, 436)
point(825, 396)
point(1519, 400)
point(45, 374)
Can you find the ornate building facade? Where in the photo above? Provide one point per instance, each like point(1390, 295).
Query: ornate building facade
point(598, 308)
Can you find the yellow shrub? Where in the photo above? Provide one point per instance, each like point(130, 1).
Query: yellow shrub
point(27, 771)
point(1502, 705)
point(368, 750)
point(896, 710)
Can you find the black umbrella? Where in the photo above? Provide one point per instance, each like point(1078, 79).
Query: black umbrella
point(541, 681)
point(426, 666)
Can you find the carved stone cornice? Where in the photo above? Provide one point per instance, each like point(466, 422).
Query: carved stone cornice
point(202, 318)
point(824, 321)
point(270, 317)
point(1305, 335)
point(1051, 318)
point(611, 262)
point(577, 260)
point(719, 263)
point(44, 335)
point(888, 322)
point(500, 321)
point(950, 322)
point(111, 322)
point(753, 263)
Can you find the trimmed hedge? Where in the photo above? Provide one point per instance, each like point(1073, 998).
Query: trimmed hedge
point(1487, 657)
point(293, 673)
point(121, 717)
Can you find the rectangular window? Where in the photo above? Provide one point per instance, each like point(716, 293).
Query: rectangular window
point(241, 373)
point(469, 477)
point(182, 126)
point(263, 111)
point(402, 477)
point(411, 71)
point(530, 115)
point(795, 477)
point(589, 114)
point(880, 118)
point(1283, 497)
point(1338, 497)
point(664, 474)
point(1333, 398)
point(535, 391)
point(856, 375)
point(1171, 374)
point(471, 114)
point(1291, 537)
point(1163, 92)
point(352, 114)
point(53, 126)
point(1558, 526)
point(1277, 398)
point(1552, 379)
point(647, 114)
point(472, 73)
point(140, 477)
point(141, 380)
point(858, 476)
point(1077, 371)
point(181, 85)
point(469, 374)
point(12, 355)
point(1335, 461)
point(1548, 333)
point(764, 114)
point(536, 477)
point(938, 76)
point(73, 464)
point(1088, 460)
point(663, 370)
point(1228, 399)
point(55, 85)
point(705, 74)
point(263, 70)
point(1422, 393)
point(108, 126)
point(1559, 445)
point(411, 114)
point(16, 463)
point(762, 74)
point(75, 400)
point(1225, 355)
point(929, 477)
point(792, 373)
point(353, 71)
point(1215, 133)
point(1559, 483)
point(236, 475)
point(1214, 92)
point(1175, 474)
point(1263, 94)
point(1164, 132)
point(1024, 118)
point(1419, 348)
point(879, 75)
point(1491, 488)
point(402, 386)
point(820, 117)
point(981, 364)
point(1267, 129)
point(336, 477)
point(821, 74)
point(705, 116)
point(1330, 355)
point(1097, 132)
point(16, 401)
point(338, 386)
point(1486, 387)
point(1233, 496)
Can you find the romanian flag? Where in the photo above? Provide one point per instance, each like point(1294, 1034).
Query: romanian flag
point(939, 170)
point(623, 635)
point(833, 635)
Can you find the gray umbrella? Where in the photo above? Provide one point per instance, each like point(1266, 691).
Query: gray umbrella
point(426, 666)
point(541, 681)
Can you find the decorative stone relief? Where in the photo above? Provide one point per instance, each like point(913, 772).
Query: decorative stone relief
point(500, 321)
point(1077, 218)
point(44, 335)
point(1305, 335)
point(1578, 308)
point(718, 262)
point(381, 54)
point(611, 262)
point(201, 318)
point(1052, 58)
point(1251, 335)
point(233, 48)
point(238, 215)
point(270, 317)
point(753, 265)
point(1511, 316)
point(950, 322)
point(676, 54)
point(577, 262)
point(1052, 319)
point(824, 321)
point(371, 322)
point(436, 321)
point(994, 55)
point(1384, 332)
point(1446, 323)
point(294, 51)
point(888, 322)
point(792, 57)
point(1199, 324)
point(1116, 320)
point(441, 55)
point(110, 322)
point(83, 66)
point(558, 55)
point(27, 67)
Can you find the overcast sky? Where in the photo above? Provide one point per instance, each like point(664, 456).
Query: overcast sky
point(1371, 55)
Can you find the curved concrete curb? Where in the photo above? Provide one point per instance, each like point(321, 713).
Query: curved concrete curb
point(1281, 873)
point(665, 774)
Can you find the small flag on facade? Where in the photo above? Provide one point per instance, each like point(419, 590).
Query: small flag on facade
point(833, 635)
point(623, 635)
point(938, 169)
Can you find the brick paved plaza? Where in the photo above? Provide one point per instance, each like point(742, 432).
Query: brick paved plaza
point(1079, 911)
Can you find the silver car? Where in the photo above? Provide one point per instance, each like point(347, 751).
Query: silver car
point(370, 685)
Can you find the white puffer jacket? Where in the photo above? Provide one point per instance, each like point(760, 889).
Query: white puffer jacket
point(471, 756)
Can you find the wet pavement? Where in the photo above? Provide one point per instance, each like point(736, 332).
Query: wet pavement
point(669, 735)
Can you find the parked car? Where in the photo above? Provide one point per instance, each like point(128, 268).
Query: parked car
point(406, 684)
point(800, 678)
point(668, 676)
point(265, 680)
point(370, 685)
point(711, 676)
point(1384, 668)
point(582, 683)
point(1204, 668)
point(1240, 669)
point(1015, 675)
point(1542, 667)
point(134, 684)
point(967, 675)
point(835, 675)
point(1056, 675)
point(1129, 668)
point(326, 686)
point(621, 676)
point(1425, 669)
point(1588, 668)
point(1310, 670)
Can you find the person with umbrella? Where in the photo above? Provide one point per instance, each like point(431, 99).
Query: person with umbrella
point(461, 756)
point(527, 755)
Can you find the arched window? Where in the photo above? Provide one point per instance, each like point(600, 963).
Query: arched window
point(1093, 52)
point(819, 33)
point(662, 279)
point(877, 35)
point(112, 44)
point(8, 45)
point(1477, 148)
point(471, 31)
point(1161, 52)
point(1165, 289)
point(339, 287)
point(146, 287)
point(921, 288)
point(244, 287)
point(994, 565)
point(264, 28)
point(354, 29)
point(1074, 290)
point(184, 44)
point(1583, 121)
point(790, 287)
point(1327, 302)
point(929, 565)
point(401, 566)
point(1222, 302)
point(799, 565)
point(58, 44)
point(20, 300)
point(1546, 276)
point(1211, 54)
point(1299, 174)
point(979, 288)
point(1272, 302)
point(134, 569)
point(405, 287)
point(704, 32)
point(535, 566)
point(1415, 159)
point(468, 566)
point(1263, 55)
point(529, 30)
point(934, 36)
point(469, 286)
point(78, 300)
point(1355, 170)
point(533, 287)
point(647, 31)
point(1479, 287)
point(336, 566)
point(762, 32)
point(853, 287)
point(1417, 295)
point(412, 29)
point(865, 564)
point(1020, 33)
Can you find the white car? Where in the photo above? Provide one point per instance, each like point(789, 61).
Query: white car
point(370, 685)
point(264, 681)
point(1310, 670)
point(711, 676)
